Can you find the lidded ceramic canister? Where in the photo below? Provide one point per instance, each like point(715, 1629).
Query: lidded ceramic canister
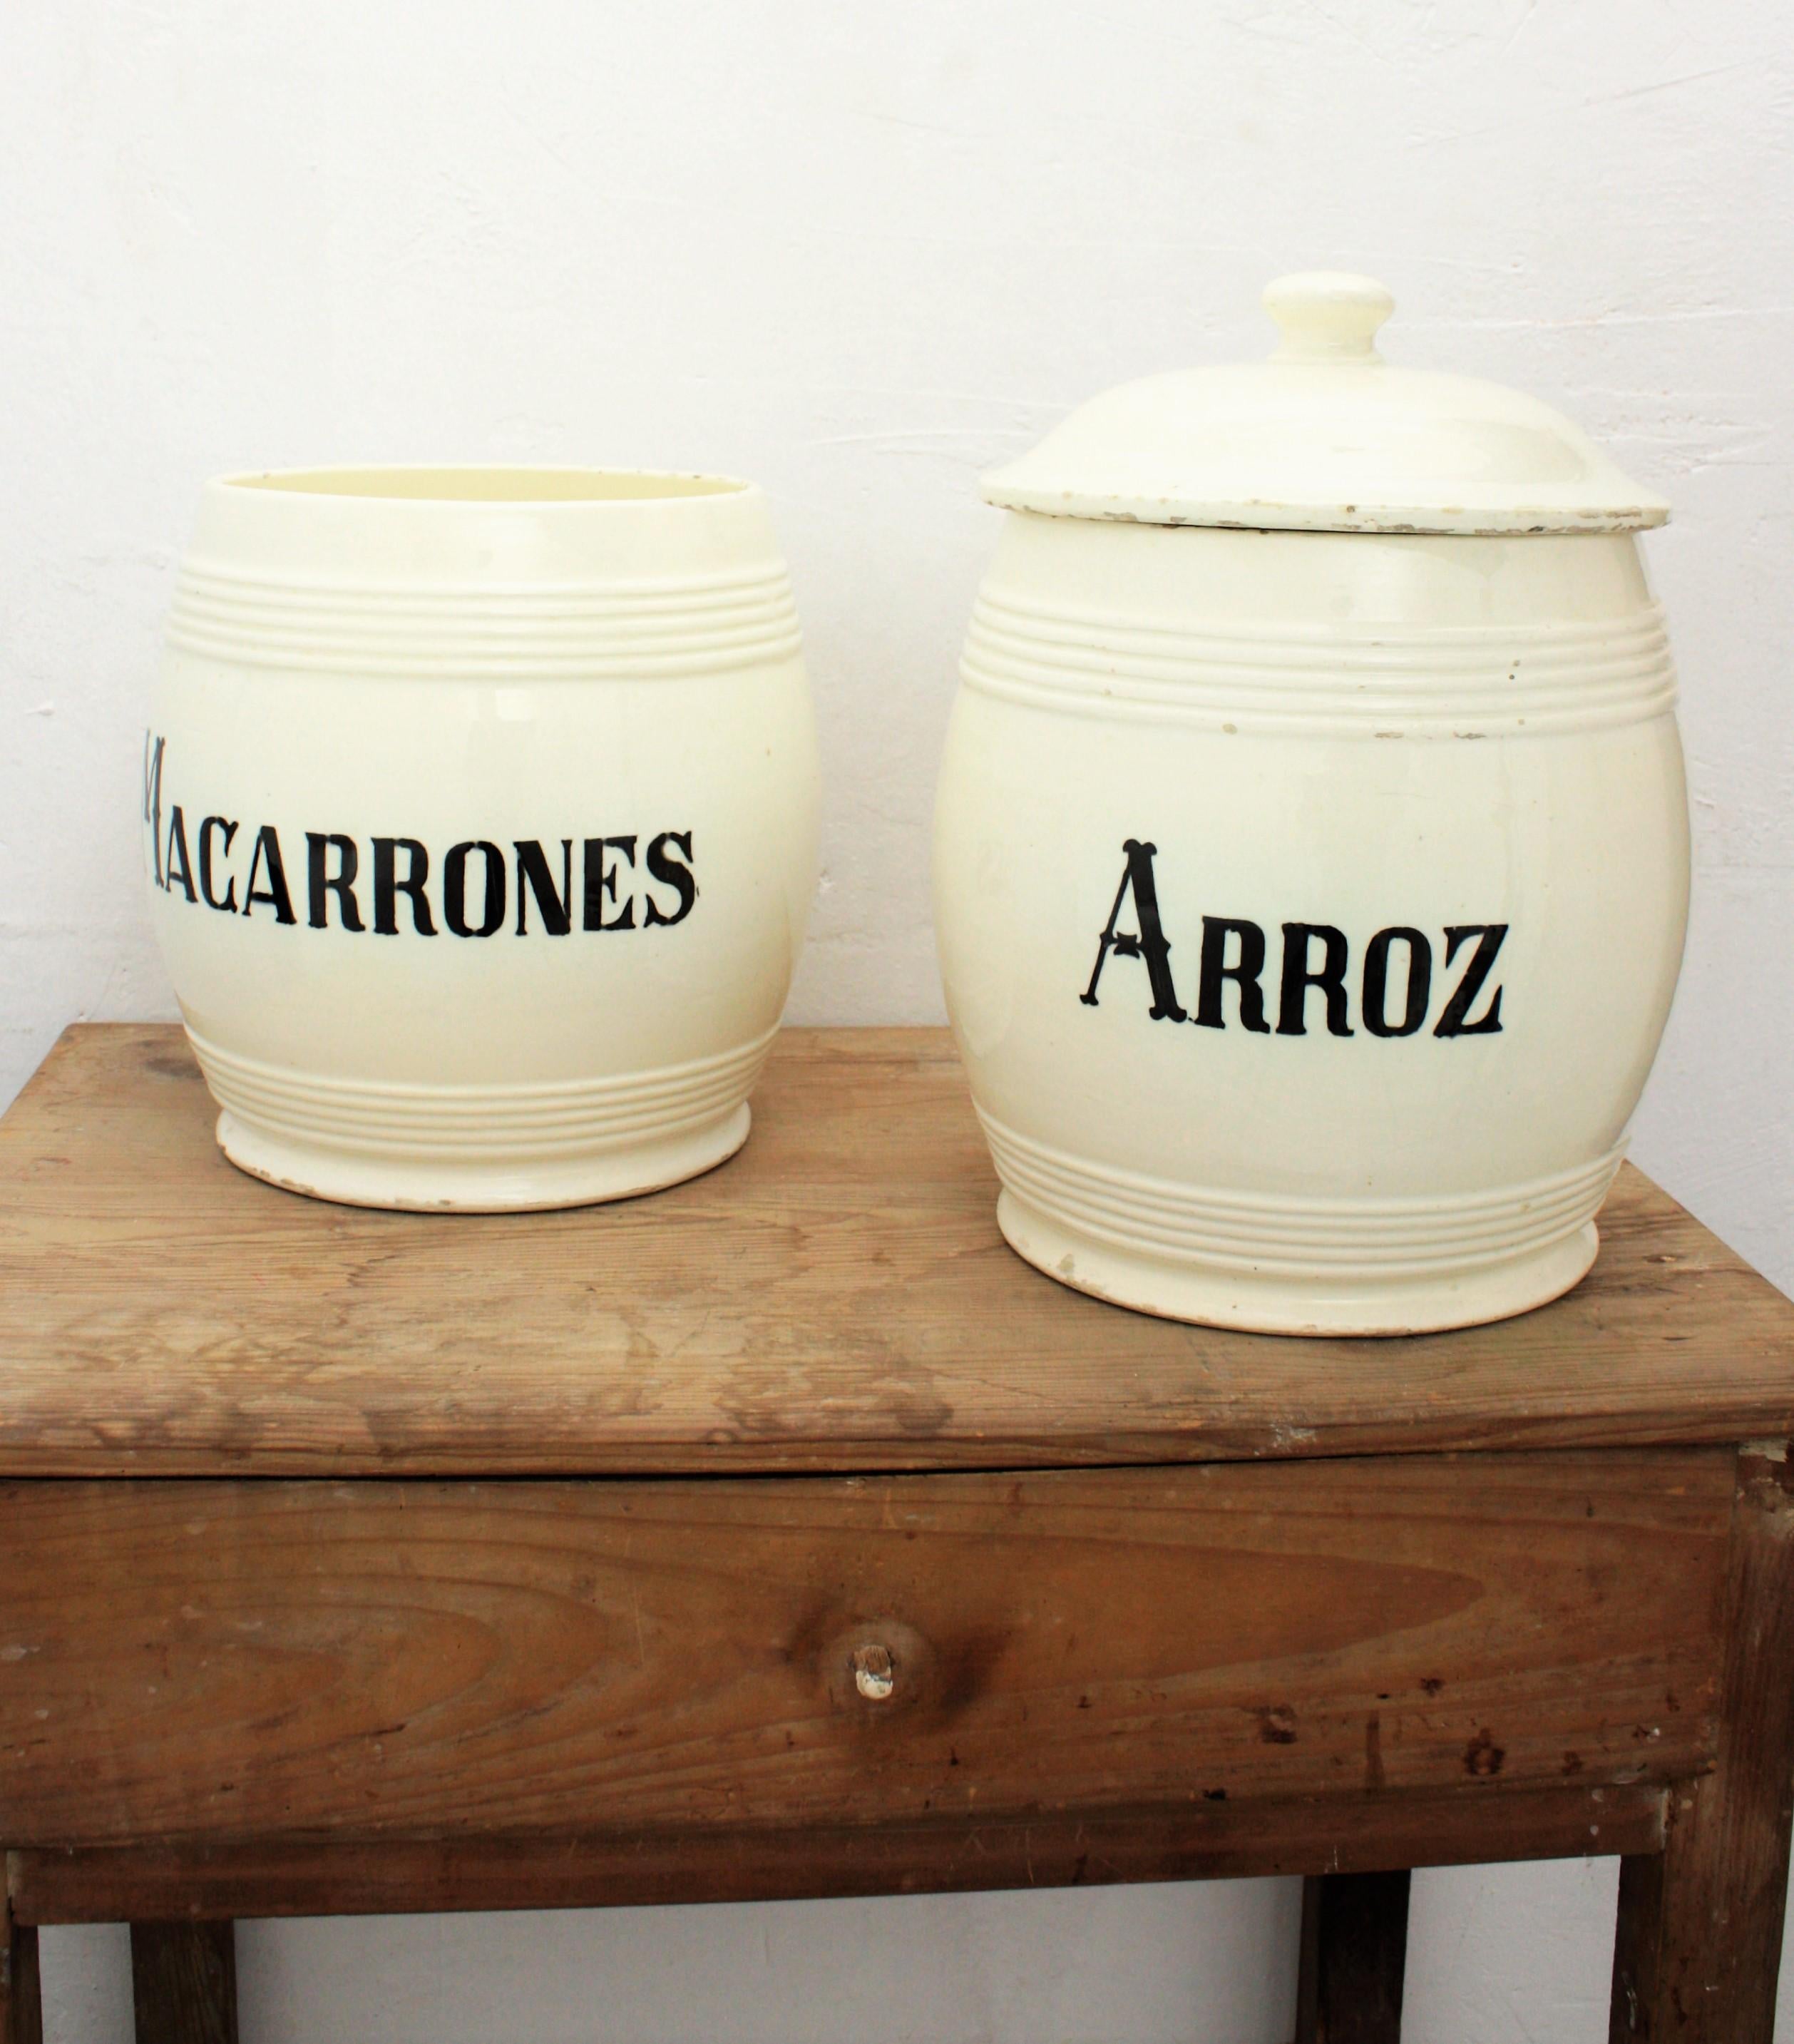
point(1311, 859)
point(480, 814)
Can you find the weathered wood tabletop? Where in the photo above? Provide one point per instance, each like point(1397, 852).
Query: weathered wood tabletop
point(784, 1534)
point(836, 1297)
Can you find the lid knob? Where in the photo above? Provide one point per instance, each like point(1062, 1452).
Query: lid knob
point(1328, 316)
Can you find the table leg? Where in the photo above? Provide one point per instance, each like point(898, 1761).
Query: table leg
point(22, 2002)
point(183, 1981)
point(1355, 1954)
point(1699, 1941)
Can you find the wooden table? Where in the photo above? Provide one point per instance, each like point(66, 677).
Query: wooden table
point(784, 1534)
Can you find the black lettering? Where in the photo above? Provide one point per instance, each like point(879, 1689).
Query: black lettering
point(152, 800)
point(268, 847)
point(670, 873)
point(600, 883)
point(1454, 1021)
point(388, 886)
point(1377, 982)
point(534, 877)
point(1244, 973)
point(1148, 944)
point(177, 849)
point(205, 829)
point(341, 884)
point(1292, 996)
point(455, 888)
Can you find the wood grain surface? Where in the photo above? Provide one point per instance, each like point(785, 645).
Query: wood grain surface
point(215, 1662)
point(184, 1983)
point(1354, 1966)
point(1184, 1842)
point(22, 1997)
point(1701, 1925)
point(837, 1297)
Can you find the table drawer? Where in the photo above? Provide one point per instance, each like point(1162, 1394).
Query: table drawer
point(213, 1661)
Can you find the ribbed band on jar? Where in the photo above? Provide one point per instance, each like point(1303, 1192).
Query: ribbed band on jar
point(1384, 680)
point(667, 625)
point(1284, 1236)
point(487, 572)
point(389, 1119)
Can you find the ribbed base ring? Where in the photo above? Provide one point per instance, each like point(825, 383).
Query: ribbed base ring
point(1277, 1306)
point(523, 1185)
point(480, 1150)
point(1282, 1265)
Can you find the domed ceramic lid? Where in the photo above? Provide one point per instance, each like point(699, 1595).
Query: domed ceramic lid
point(1325, 437)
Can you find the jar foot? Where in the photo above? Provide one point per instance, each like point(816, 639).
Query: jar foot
point(511, 1184)
point(1212, 1295)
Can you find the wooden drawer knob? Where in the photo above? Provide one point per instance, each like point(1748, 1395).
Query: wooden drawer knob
point(874, 1671)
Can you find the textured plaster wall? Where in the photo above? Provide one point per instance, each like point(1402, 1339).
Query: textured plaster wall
point(859, 252)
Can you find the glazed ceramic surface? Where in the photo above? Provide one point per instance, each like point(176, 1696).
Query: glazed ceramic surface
point(1310, 901)
point(480, 811)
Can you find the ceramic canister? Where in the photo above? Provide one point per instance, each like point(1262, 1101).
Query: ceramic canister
point(480, 809)
point(1311, 860)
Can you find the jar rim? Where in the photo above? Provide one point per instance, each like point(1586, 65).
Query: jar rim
point(458, 484)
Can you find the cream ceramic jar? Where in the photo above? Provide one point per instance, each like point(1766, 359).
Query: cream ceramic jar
point(480, 815)
point(1311, 862)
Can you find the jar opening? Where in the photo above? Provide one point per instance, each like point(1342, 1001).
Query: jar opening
point(477, 485)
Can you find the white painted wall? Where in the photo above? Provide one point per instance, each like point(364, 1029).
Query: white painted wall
point(858, 252)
